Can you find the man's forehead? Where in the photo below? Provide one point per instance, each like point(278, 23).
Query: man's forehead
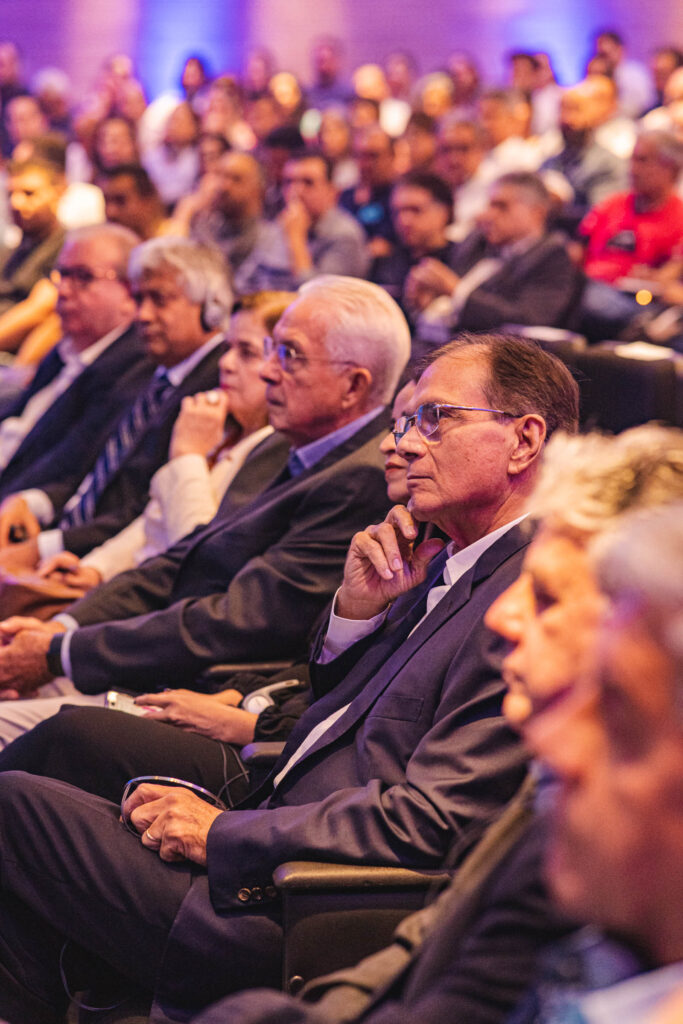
point(453, 379)
point(161, 279)
point(88, 251)
point(33, 178)
point(300, 319)
point(557, 552)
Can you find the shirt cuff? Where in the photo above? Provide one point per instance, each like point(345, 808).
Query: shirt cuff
point(65, 649)
point(344, 633)
point(50, 542)
point(39, 504)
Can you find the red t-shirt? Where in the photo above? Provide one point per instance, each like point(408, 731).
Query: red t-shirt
point(619, 238)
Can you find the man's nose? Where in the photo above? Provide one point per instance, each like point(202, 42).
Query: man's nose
point(271, 371)
point(509, 612)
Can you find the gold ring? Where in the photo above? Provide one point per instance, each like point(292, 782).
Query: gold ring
point(151, 838)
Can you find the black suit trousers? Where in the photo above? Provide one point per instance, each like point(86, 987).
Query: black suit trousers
point(99, 750)
point(72, 873)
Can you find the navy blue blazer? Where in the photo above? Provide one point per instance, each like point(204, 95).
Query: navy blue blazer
point(421, 759)
point(127, 492)
point(74, 428)
point(247, 586)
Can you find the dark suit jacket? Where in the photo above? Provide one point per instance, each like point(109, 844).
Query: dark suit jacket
point(247, 586)
point(541, 286)
point(128, 491)
point(419, 761)
point(80, 420)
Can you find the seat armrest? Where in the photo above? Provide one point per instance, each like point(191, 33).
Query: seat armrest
point(302, 875)
point(261, 754)
point(262, 668)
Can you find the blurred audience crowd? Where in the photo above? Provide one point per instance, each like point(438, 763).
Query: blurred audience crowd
point(383, 172)
point(281, 461)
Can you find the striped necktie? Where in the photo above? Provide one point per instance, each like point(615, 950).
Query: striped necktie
point(81, 506)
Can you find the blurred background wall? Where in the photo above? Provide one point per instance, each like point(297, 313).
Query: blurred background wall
point(78, 34)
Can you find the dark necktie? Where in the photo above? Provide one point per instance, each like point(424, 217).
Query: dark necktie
point(81, 506)
point(50, 367)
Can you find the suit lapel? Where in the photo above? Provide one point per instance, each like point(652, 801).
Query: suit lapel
point(276, 488)
point(382, 663)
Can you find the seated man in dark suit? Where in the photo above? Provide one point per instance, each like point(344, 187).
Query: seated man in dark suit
point(72, 400)
point(79, 494)
point(509, 271)
point(469, 954)
point(250, 584)
point(403, 756)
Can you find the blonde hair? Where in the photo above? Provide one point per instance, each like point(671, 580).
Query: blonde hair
point(588, 481)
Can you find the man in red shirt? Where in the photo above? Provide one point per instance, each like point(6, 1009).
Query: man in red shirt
point(633, 231)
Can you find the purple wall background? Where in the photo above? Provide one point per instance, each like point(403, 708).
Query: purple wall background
point(77, 34)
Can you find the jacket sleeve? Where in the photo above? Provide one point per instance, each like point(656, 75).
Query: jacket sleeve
point(542, 296)
point(463, 767)
point(265, 610)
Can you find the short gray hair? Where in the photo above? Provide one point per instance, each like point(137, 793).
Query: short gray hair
point(641, 561)
point(123, 239)
point(364, 325)
point(588, 482)
point(200, 271)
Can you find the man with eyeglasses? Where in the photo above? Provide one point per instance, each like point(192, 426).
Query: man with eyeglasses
point(460, 151)
point(89, 486)
point(402, 759)
point(71, 405)
point(250, 584)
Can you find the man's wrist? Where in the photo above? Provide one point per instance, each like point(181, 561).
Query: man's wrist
point(348, 608)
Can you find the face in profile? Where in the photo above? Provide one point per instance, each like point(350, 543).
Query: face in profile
point(549, 617)
point(617, 837)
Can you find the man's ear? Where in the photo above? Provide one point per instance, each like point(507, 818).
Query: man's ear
point(530, 431)
point(359, 385)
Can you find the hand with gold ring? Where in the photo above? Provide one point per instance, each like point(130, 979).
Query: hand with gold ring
point(200, 425)
point(181, 818)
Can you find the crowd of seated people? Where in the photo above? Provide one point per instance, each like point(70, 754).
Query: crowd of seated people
point(273, 468)
point(267, 168)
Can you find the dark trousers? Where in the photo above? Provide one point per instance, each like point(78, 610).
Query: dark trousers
point(98, 750)
point(71, 873)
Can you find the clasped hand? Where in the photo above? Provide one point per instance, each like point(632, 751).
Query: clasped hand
point(171, 820)
point(383, 563)
point(24, 644)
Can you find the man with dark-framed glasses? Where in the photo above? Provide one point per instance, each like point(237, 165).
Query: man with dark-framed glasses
point(402, 759)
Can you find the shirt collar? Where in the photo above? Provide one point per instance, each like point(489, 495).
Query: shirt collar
point(634, 1000)
point(177, 374)
point(309, 454)
point(72, 356)
point(459, 562)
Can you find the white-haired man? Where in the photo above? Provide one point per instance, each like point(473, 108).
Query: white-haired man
point(249, 585)
point(615, 748)
point(70, 406)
